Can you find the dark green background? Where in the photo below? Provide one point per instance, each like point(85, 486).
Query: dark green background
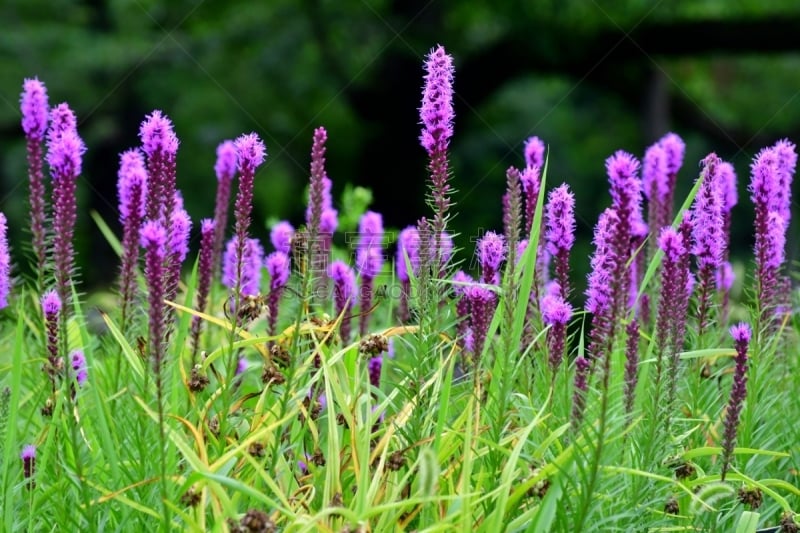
point(588, 77)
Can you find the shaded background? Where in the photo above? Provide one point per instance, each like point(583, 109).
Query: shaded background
point(588, 77)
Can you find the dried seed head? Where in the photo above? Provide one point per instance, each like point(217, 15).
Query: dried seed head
point(256, 449)
point(272, 375)
point(191, 498)
point(672, 507)
point(197, 381)
point(255, 521)
point(751, 497)
point(373, 345)
point(396, 461)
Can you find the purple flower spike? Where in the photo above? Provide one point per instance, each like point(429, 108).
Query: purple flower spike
point(534, 152)
point(205, 265)
point(727, 178)
point(344, 294)
point(655, 173)
point(132, 190)
point(708, 235)
point(560, 232)
point(437, 101)
point(482, 303)
point(316, 190)
point(154, 241)
point(35, 112)
point(62, 119)
point(225, 169)
point(599, 294)
point(436, 114)
point(741, 334)
point(251, 154)
point(28, 456)
point(328, 222)
point(5, 263)
point(79, 367)
point(252, 261)
point(631, 364)
point(51, 308)
point(278, 267)
point(675, 149)
point(35, 109)
point(281, 236)
point(179, 236)
point(556, 314)
point(369, 260)
point(462, 282)
point(65, 155)
point(787, 162)
point(530, 178)
point(725, 277)
point(160, 144)
point(374, 370)
point(491, 253)
point(242, 366)
point(407, 250)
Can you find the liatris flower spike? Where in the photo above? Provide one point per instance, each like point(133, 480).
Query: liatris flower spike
point(560, 232)
point(252, 263)
point(534, 152)
point(407, 255)
point(316, 190)
point(741, 334)
point(556, 314)
point(631, 364)
point(78, 361)
point(65, 156)
point(436, 115)
point(344, 294)
point(491, 253)
point(132, 190)
point(205, 265)
point(369, 261)
point(281, 236)
point(28, 457)
point(160, 145)
point(278, 267)
point(675, 149)
point(5, 263)
point(708, 239)
point(51, 308)
point(225, 169)
point(35, 112)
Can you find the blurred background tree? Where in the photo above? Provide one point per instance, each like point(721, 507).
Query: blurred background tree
point(588, 77)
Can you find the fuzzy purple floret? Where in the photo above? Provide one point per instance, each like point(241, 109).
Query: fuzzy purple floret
point(132, 185)
point(157, 134)
point(555, 310)
point(374, 368)
point(28, 453)
point(281, 236)
point(482, 303)
point(534, 152)
point(251, 154)
point(35, 109)
point(252, 261)
point(491, 253)
point(530, 179)
point(407, 250)
point(227, 161)
point(278, 267)
point(708, 235)
point(5, 263)
point(727, 178)
point(179, 235)
point(79, 366)
point(369, 255)
point(65, 155)
point(655, 173)
point(675, 148)
point(599, 293)
point(344, 294)
point(436, 112)
point(62, 119)
point(560, 220)
point(51, 304)
point(787, 162)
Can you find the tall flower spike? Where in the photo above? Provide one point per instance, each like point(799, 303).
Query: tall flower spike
point(369, 261)
point(655, 185)
point(278, 268)
point(462, 283)
point(530, 178)
point(708, 239)
point(534, 152)
point(631, 364)
point(205, 265)
point(482, 303)
point(492, 251)
point(225, 169)
point(132, 190)
point(78, 361)
point(560, 233)
point(556, 313)
point(180, 228)
point(344, 294)
point(251, 154)
point(28, 457)
point(160, 145)
point(62, 119)
point(436, 114)
point(741, 334)
point(51, 309)
point(675, 148)
point(513, 204)
point(407, 255)
point(35, 112)
point(316, 190)
point(252, 261)
point(787, 162)
point(65, 156)
point(281, 236)
point(5, 263)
